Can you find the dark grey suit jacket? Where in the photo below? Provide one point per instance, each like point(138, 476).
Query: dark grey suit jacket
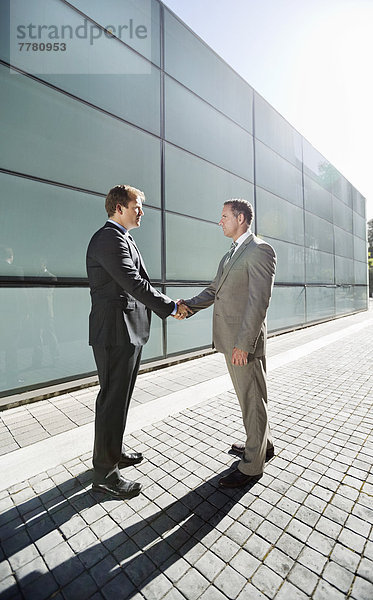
point(121, 292)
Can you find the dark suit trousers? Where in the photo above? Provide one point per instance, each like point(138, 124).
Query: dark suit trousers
point(117, 368)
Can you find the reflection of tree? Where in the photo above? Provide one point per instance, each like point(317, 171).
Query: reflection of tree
point(370, 256)
point(328, 175)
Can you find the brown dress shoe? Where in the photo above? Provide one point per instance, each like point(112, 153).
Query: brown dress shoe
point(239, 447)
point(236, 479)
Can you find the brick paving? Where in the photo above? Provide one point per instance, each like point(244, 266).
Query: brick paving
point(304, 531)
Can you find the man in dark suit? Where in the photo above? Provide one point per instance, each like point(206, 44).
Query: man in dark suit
point(119, 323)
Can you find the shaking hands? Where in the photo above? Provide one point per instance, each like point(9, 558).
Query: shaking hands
point(182, 310)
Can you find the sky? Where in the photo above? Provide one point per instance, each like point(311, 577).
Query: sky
point(312, 60)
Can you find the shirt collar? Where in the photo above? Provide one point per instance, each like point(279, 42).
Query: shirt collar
point(123, 229)
point(242, 238)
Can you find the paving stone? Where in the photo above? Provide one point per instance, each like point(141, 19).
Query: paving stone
point(209, 565)
point(279, 562)
point(192, 585)
point(352, 540)
point(365, 569)
point(362, 589)
point(326, 591)
point(288, 591)
point(338, 576)
point(266, 580)
point(312, 560)
point(229, 582)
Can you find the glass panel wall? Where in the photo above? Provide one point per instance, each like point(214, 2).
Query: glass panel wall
point(183, 51)
point(164, 113)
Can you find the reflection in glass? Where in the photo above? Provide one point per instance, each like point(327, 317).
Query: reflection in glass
point(44, 335)
point(278, 219)
point(319, 233)
point(184, 51)
point(277, 175)
point(287, 308)
point(320, 303)
point(197, 127)
point(272, 129)
point(68, 142)
point(197, 188)
point(192, 333)
point(319, 266)
point(317, 200)
point(203, 243)
point(290, 261)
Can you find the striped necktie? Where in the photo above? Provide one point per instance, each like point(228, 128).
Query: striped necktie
point(231, 252)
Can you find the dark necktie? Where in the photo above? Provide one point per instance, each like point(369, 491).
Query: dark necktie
point(231, 252)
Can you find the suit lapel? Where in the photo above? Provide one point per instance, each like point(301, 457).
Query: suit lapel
point(233, 260)
point(136, 252)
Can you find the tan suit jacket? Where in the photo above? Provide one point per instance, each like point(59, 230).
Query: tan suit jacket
point(240, 293)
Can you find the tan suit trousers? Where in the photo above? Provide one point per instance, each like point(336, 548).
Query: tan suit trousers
point(250, 384)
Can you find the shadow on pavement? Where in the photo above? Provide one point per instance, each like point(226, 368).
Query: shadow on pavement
point(121, 563)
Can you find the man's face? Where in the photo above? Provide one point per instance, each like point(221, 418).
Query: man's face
point(130, 217)
point(229, 223)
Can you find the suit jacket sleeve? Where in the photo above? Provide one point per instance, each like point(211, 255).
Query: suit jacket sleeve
point(115, 257)
point(261, 276)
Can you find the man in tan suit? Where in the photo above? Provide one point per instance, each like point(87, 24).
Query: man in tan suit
point(241, 292)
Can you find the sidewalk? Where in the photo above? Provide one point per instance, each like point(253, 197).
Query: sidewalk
point(303, 531)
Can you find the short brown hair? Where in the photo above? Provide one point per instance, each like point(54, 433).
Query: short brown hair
point(121, 194)
point(241, 206)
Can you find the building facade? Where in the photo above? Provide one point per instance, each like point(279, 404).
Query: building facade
point(142, 100)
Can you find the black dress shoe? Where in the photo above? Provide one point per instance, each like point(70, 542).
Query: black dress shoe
point(128, 459)
point(236, 479)
point(239, 448)
point(120, 489)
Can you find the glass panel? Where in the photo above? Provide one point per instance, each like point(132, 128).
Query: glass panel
point(128, 17)
point(57, 247)
point(154, 347)
point(317, 200)
point(290, 262)
point(320, 303)
point(360, 298)
point(360, 250)
point(342, 215)
point(195, 126)
point(319, 233)
point(319, 266)
point(192, 333)
point(44, 336)
point(135, 98)
point(94, 62)
point(344, 300)
point(202, 243)
point(358, 202)
point(272, 129)
point(360, 272)
point(278, 219)
point(197, 188)
point(183, 51)
point(287, 308)
point(277, 175)
point(359, 226)
point(344, 243)
point(316, 166)
point(344, 270)
point(342, 189)
point(69, 142)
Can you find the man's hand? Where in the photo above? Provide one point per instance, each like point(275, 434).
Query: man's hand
point(239, 357)
point(182, 310)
